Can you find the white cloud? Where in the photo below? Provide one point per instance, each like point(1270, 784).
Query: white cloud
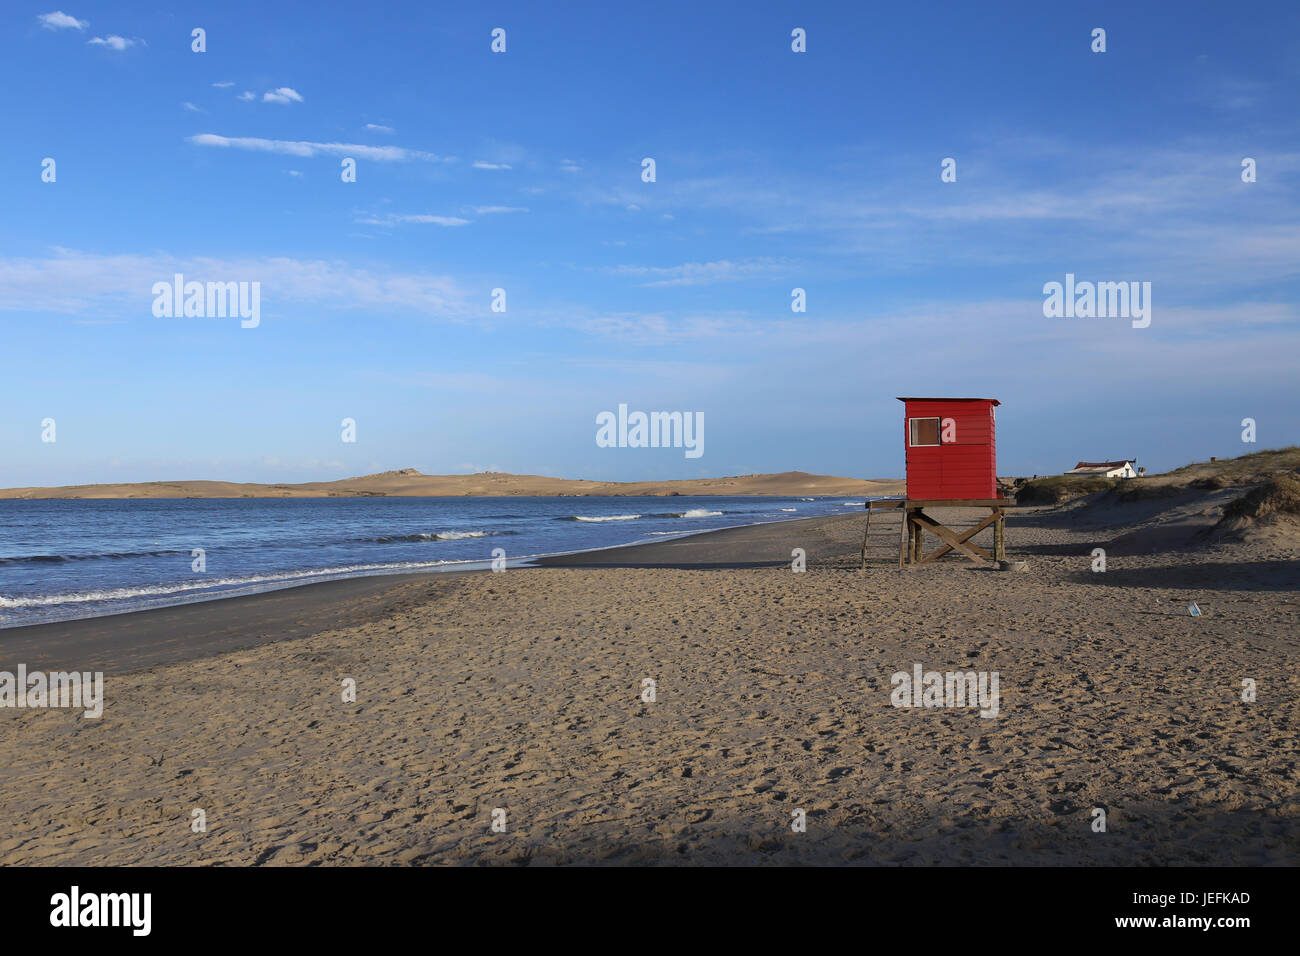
point(392, 219)
point(293, 172)
point(224, 84)
point(569, 166)
point(480, 164)
point(1178, 214)
point(72, 281)
point(1228, 92)
point(489, 210)
point(383, 154)
point(114, 42)
point(642, 328)
point(58, 20)
point(247, 95)
point(282, 95)
point(705, 273)
point(190, 107)
point(380, 129)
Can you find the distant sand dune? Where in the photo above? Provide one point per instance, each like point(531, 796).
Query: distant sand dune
point(408, 482)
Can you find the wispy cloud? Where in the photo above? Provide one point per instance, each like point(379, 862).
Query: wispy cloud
point(392, 219)
point(377, 128)
point(1179, 213)
point(72, 281)
point(190, 107)
point(1227, 93)
point(492, 210)
point(383, 154)
point(247, 96)
point(480, 164)
point(705, 273)
point(653, 328)
point(284, 94)
point(58, 20)
point(224, 84)
point(115, 42)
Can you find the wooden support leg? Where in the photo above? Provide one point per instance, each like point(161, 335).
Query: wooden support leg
point(865, 533)
point(1000, 538)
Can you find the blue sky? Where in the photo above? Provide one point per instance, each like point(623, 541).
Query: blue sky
point(522, 171)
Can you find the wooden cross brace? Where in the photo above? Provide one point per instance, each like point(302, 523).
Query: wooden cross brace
point(962, 543)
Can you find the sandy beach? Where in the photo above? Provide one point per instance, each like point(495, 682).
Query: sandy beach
point(523, 691)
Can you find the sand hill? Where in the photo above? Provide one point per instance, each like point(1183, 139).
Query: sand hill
point(1254, 498)
point(408, 482)
point(1270, 510)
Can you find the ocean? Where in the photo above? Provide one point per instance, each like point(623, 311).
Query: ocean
point(66, 559)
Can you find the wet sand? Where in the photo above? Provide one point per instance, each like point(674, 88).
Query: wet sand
point(120, 643)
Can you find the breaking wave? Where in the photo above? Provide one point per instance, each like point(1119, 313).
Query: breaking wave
point(119, 594)
point(439, 536)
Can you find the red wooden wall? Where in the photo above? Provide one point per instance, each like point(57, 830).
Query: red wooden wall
point(964, 468)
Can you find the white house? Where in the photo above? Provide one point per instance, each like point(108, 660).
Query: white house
point(1106, 469)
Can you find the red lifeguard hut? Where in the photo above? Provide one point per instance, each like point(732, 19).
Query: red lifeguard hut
point(951, 451)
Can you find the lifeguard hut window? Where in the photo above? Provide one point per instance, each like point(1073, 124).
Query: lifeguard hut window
point(923, 431)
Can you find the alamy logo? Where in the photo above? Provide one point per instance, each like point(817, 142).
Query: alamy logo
point(208, 300)
point(62, 689)
point(953, 689)
point(653, 430)
point(1102, 300)
point(134, 910)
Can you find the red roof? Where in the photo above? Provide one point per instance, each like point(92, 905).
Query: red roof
point(993, 400)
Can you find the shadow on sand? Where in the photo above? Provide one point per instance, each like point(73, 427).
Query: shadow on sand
point(1276, 575)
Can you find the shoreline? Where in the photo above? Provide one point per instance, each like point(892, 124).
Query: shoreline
point(465, 566)
point(125, 641)
point(135, 640)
